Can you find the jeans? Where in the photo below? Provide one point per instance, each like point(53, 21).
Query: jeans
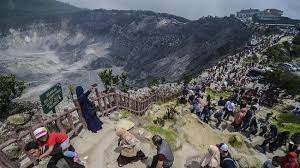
point(155, 161)
point(57, 154)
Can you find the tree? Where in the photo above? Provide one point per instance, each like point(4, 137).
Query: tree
point(284, 80)
point(123, 79)
point(108, 79)
point(71, 89)
point(10, 88)
point(153, 82)
point(187, 78)
point(296, 40)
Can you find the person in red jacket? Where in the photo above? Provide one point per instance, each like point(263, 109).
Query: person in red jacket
point(289, 161)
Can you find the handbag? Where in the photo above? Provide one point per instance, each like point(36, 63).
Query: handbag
point(128, 152)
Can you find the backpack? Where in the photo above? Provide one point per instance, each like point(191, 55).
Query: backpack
point(234, 162)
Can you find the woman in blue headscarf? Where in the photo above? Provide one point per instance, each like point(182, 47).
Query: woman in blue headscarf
point(88, 110)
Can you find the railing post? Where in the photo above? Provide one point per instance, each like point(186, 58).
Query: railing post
point(116, 97)
point(105, 102)
point(70, 120)
point(80, 115)
point(60, 126)
point(5, 162)
point(98, 99)
point(109, 101)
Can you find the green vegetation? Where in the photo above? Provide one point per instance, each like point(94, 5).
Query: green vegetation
point(296, 46)
point(168, 134)
point(153, 82)
point(235, 141)
point(123, 78)
point(288, 122)
point(277, 54)
point(296, 40)
point(159, 121)
point(187, 78)
point(124, 114)
point(10, 88)
point(71, 89)
point(109, 80)
point(284, 80)
point(215, 95)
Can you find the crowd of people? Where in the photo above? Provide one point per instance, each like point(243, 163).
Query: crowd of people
point(240, 109)
point(243, 105)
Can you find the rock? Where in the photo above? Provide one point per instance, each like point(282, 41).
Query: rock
point(125, 124)
point(18, 119)
point(114, 116)
point(148, 135)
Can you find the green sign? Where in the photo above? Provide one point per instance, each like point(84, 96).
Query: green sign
point(51, 98)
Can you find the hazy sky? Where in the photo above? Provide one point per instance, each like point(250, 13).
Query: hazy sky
point(193, 9)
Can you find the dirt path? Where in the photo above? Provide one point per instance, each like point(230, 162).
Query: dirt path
point(93, 146)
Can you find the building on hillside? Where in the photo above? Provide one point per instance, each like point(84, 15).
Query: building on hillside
point(247, 13)
point(272, 12)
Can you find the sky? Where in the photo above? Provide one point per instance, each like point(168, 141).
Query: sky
point(192, 9)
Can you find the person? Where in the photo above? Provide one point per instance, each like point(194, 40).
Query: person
point(53, 138)
point(164, 157)
point(33, 148)
point(265, 124)
point(226, 160)
point(253, 128)
point(275, 162)
point(294, 144)
point(185, 90)
point(238, 118)
point(269, 138)
point(206, 113)
point(211, 159)
point(289, 161)
point(130, 148)
point(221, 102)
point(219, 115)
point(196, 106)
point(248, 117)
point(191, 97)
point(88, 110)
point(281, 140)
point(229, 109)
point(256, 105)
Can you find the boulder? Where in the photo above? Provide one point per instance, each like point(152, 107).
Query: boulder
point(125, 124)
point(114, 116)
point(18, 119)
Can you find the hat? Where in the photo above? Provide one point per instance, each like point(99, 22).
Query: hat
point(224, 148)
point(39, 132)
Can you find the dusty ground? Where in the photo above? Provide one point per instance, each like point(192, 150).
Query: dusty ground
point(98, 150)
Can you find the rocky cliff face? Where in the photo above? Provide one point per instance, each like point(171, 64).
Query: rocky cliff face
point(145, 44)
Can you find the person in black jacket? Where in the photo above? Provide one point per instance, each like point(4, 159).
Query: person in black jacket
point(226, 161)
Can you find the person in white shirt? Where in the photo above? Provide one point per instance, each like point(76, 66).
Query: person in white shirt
point(230, 106)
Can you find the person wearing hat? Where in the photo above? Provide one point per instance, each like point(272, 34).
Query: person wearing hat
point(50, 139)
point(33, 148)
point(226, 161)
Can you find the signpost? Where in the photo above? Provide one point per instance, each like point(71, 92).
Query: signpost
point(51, 98)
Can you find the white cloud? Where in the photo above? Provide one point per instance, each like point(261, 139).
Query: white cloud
point(192, 9)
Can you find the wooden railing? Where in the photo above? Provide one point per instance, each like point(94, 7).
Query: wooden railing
point(74, 121)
